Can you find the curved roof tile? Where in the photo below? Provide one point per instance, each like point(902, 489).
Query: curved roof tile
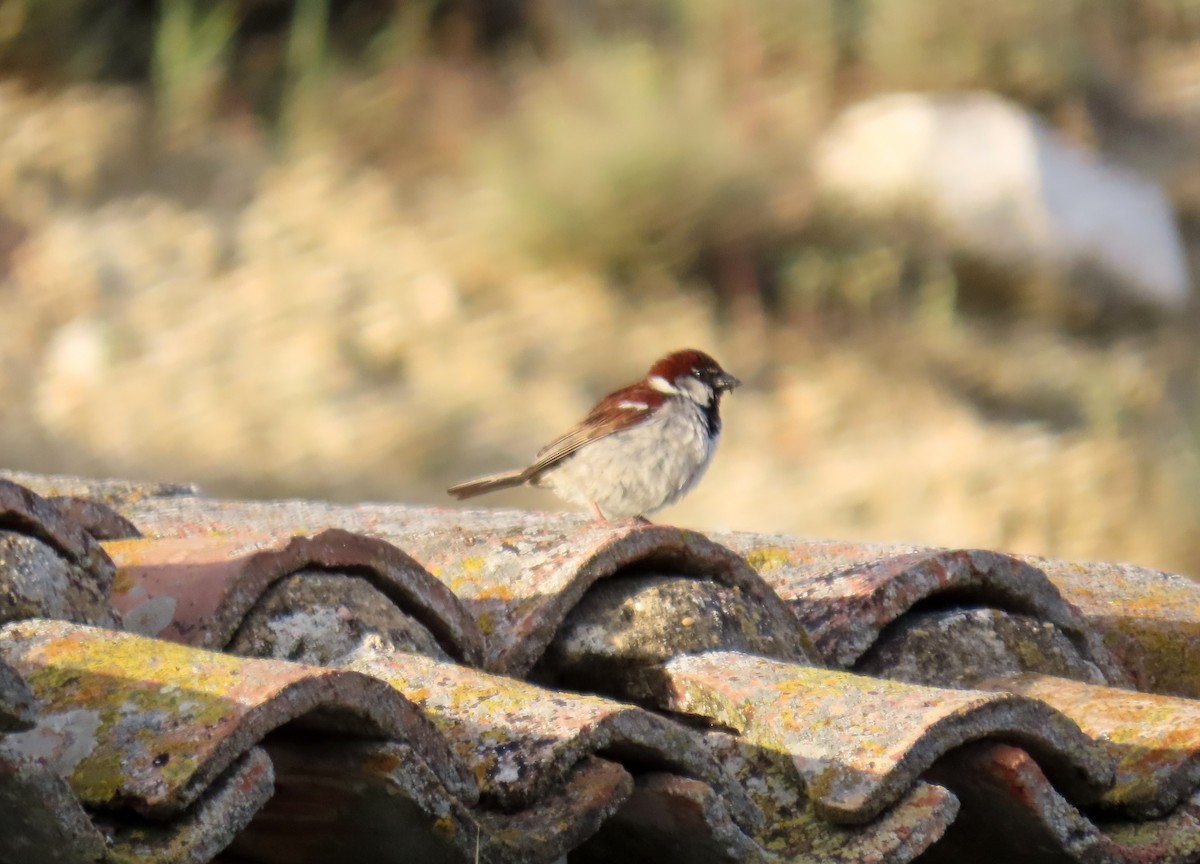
point(18, 705)
point(521, 586)
point(53, 567)
point(846, 594)
point(95, 517)
point(198, 590)
point(961, 646)
point(521, 739)
point(204, 829)
point(1012, 812)
point(341, 797)
point(147, 724)
point(41, 819)
point(1148, 619)
point(855, 758)
point(762, 758)
point(1154, 741)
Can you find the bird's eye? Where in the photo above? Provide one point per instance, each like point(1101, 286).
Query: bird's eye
point(696, 373)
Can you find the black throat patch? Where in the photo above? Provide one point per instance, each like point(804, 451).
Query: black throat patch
point(712, 416)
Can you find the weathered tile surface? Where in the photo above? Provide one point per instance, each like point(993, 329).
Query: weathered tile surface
point(198, 590)
point(860, 742)
point(959, 647)
point(147, 724)
point(205, 828)
point(49, 565)
point(359, 801)
point(1148, 619)
point(111, 492)
point(518, 574)
point(1012, 812)
point(41, 819)
point(522, 740)
point(18, 705)
point(1154, 741)
point(520, 585)
point(640, 620)
point(796, 829)
point(145, 751)
point(847, 594)
point(95, 517)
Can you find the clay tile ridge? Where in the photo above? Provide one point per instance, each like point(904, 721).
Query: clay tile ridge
point(28, 513)
point(198, 590)
point(522, 583)
point(847, 594)
point(219, 707)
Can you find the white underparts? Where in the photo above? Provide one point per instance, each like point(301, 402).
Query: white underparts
point(641, 468)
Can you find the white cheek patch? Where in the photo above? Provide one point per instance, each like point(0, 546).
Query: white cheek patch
point(662, 385)
point(697, 391)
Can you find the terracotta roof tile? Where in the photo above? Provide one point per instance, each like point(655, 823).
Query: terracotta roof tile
point(457, 709)
point(1154, 741)
point(346, 797)
point(41, 819)
point(322, 618)
point(593, 791)
point(640, 620)
point(855, 759)
point(797, 829)
point(145, 724)
point(847, 594)
point(199, 590)
point(682, 821)
point(49, 565)
point(959, 647)
point(364, 800)
point(1148, 619)
point(109, 492)
point(1012, 812)
point(18, 705)
point(521, 585)
point(519, 575)
point(519, 739)
point(680, 814)
point(95, 517)
point(203, 830)
point(189, 515)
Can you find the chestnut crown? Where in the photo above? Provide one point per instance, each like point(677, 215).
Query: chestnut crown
point(690, 363)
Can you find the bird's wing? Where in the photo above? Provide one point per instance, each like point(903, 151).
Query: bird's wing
point(617, 411)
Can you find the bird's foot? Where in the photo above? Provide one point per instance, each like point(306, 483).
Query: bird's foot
point(633, 520)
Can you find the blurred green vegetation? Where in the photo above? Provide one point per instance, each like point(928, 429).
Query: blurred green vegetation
point(656, 148)
point(692, 118)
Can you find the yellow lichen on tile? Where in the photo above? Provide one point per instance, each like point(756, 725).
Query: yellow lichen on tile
point(767, 559)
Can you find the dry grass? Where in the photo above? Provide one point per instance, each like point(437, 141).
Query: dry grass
point(469, 249)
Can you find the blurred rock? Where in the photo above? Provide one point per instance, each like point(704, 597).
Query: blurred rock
point(999, 184)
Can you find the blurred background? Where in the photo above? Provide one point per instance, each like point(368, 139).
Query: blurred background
point(360, 249)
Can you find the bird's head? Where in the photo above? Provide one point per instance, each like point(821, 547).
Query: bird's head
point(693, 374)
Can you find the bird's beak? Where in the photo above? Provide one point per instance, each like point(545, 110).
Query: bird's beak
point(725, 381)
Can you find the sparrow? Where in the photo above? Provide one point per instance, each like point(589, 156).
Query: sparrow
point(641, 448)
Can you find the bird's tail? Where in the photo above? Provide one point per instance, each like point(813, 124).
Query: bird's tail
point(490, 483)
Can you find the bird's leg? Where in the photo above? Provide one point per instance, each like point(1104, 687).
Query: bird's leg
point(596, 510)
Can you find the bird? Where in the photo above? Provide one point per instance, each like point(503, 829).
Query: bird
point(641, 447)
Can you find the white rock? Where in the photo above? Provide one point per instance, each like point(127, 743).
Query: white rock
point(1000, 184)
